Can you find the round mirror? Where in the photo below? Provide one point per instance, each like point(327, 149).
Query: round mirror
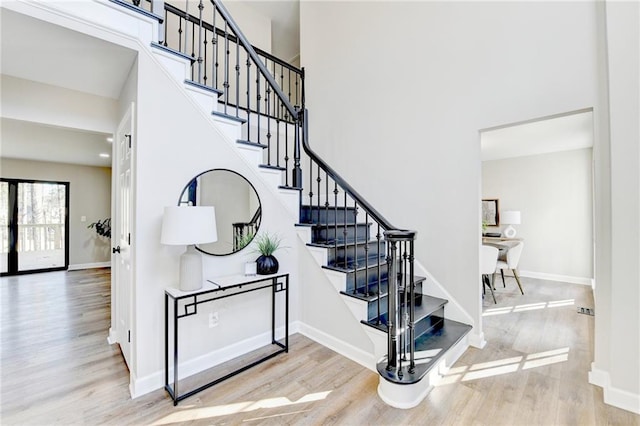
point(238, 210)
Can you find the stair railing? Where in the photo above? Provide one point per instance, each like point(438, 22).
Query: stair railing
point(399, 253)
point(252, 85)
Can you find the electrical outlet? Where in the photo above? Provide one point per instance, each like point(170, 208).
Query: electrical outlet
point(213, 319)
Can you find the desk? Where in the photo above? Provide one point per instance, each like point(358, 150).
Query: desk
point(185, 303)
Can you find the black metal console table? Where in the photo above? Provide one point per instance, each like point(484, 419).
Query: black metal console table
point(185, 303)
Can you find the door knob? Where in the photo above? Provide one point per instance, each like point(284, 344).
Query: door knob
point(116, 250)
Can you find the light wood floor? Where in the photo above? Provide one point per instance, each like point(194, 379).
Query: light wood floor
point(57, 368)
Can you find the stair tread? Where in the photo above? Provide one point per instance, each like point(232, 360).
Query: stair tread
point(230, 117)
point(292, 188)
point(347, 270)
point(269, 166)
point(339, 224)
point(331, 246)
point(256, 144)
point(204, 87)
point(372, 296)
point(428, 306)
point(430, 348)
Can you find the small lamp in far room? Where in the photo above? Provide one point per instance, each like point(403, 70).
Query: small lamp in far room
point(189, 225)
point(511, 217)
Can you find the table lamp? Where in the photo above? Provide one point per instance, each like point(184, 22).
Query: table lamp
point(189, 225)
point(511, 217)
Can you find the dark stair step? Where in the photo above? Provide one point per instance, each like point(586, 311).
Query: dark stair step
point(371, 297)
point(204, 87)
point(357, 277)
point(359, 232)
point(343, 256)
point(430, 348)
point(430, 306)
point(228, 116)
point(331, 214)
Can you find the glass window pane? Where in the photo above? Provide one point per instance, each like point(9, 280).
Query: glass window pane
point(41, 223)
point(4, 227)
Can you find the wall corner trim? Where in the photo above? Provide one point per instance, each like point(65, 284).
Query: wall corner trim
point(613, 396)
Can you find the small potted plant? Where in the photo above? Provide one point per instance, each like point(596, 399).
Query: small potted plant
point(266, 245)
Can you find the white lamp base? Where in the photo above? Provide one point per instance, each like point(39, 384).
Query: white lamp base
point(509, 232)
point(191, 269)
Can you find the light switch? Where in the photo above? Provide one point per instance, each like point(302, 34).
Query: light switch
point(83, 218)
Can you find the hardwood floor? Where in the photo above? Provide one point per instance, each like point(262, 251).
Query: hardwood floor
point(57, 368)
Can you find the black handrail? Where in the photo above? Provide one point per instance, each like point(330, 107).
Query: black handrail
point(377, 216)
point(254, 57)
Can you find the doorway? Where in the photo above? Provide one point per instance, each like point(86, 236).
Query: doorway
point(34, 217)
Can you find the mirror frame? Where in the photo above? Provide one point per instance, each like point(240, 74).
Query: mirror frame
point(186, 187)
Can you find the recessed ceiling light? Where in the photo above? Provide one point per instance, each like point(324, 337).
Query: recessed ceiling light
point(104, 155)
point(109, 139)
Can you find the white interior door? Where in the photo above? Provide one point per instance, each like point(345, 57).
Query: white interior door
point(122, 235)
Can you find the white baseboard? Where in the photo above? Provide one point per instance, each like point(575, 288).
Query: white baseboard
point(476, 339)
point(80, 266)
point(613, 396)
point(345, 349)
point(143, 385)
point(555, 277)
point(112, 337)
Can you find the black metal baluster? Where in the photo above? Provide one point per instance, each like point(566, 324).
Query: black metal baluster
point(355, 244)
point(311, 193)
point(237, 99)
point(412, 311)
point(345, 242)
point(214, 51)
point(248, 97)
point(180, 34)
point(277, 116)
point(267, 104)
point(166, 26)
point(186, 27)
point(378, 237)
point(258, 98)
point(226, 67)
point(193, 50)
point(296, 91)
point(326, 201)
point(206, 42)
point(319, 180)
point(286, 150)
point(366, 256)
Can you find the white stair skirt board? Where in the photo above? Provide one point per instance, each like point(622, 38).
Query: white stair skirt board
point(230, 128)
point(409, 396)
point(207, 99)
point(613, 396)
point(291, 200)
point(272, 176)
point(253, 154)
point(177, 66)
point(345, 349)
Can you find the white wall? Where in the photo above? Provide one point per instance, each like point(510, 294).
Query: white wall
point(617, 340)
point(449, 69)
point(175, 142)
point(89, 196)
point(553, 192)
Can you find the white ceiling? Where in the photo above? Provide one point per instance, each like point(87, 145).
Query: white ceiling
point(40, 142)
point(50, 54)
point(563, 133)
point(35, 50)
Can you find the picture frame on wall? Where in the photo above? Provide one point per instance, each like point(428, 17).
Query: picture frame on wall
point(490, 212)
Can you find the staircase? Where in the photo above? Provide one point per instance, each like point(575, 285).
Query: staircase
point(259, 100)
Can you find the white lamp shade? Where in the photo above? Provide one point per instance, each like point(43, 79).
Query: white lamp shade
point(511, 217)
point(186, 225)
